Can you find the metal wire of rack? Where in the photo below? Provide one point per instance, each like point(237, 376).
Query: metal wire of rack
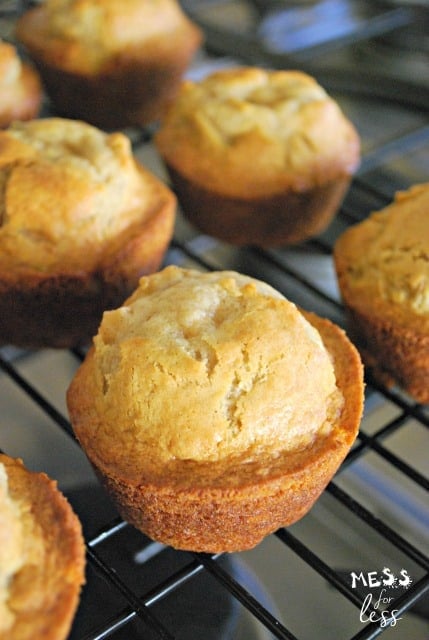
point(139, 589)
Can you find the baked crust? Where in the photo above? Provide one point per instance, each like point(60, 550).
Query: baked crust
point(267, 151)
point(285, 218)
point(251, 132)
point(20, 87)
point(198, 499)
point(82, 221)
point(383, 276)
point(44, 593)
point(98, 63)
point(394, 354)
point(64, 310)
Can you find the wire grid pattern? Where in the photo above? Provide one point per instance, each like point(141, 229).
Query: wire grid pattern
point(141, 594)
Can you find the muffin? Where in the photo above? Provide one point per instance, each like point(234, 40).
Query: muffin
point(213, 410)
point(383, 274)
point(109, 62)
point(42, 556)
point(80, 222)
point(20, 88)
point(257, 156)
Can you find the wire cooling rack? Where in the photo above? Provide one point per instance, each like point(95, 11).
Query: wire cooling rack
point(315, 579)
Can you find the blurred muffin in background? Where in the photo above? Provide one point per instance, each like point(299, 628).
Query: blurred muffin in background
point(20, 87)
point(109, 62)
point(80, 221)
point(383, 273)
point(258, 157)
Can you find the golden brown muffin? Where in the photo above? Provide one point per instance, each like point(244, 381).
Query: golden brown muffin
point(214, 411)
point(109, 62)
point(258, 157)
point(80, 222)
point(20, 87)
point(42, 556)
point(383, 273)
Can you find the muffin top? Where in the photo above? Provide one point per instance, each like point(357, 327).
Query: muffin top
point(67, 192)
point(265, 130)
point(385, 258)
point(84, 35)
point(203, 367)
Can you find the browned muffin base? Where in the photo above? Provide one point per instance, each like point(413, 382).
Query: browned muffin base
point(394, 354)
point(64, 310)
point(58, 312)
point(285, 218)
point(220, 520)
point(129, 93)
point(45, 595)
point(231, 505)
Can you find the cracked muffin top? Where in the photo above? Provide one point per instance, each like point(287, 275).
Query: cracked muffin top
point(68, 191)
point(266, 130)
point(384, 260)
point(204, 367)
point(86, 36)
